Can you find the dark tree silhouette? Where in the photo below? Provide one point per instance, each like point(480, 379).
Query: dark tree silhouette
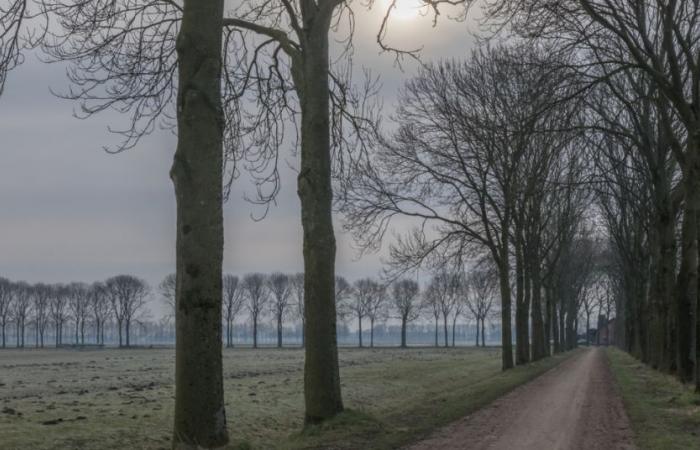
point(406, 299)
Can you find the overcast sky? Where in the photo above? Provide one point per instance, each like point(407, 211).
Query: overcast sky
point(70, 211)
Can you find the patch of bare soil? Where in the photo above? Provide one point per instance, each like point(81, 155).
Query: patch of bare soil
point(574, 406)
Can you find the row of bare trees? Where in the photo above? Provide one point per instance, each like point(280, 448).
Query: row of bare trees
point(488, 162)
point(280, 297)
point(448, 295)
point(639, 68)
point(586, 124)
point(78, 305)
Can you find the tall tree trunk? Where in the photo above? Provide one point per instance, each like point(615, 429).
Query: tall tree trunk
point(506, 331)
point(322, 392)
point(255, 331)
point(522, 347)
point(562, 324)
point(477, 330)
point(127, 332)
point(437, 327)
point(663, 256)
point(447, 341)
point(454, 326)
point(359, 329)
point(200, 416)
point(571, 323)
point(539, 341)
point(403, 331)
point(279, 332)
point(548, 322)
point(687, 284)
point(483, 332)
point(371, 332)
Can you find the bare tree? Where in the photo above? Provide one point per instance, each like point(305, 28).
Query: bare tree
point(128, 295)
point(483, 282)
point(453, 165)
point(233, 303)
point(406, 296)
point(358, 303)
point(21, 307)
point(79, 307)
point(100, 308)
point(257, 297)
point(41, 294)
point(58, 305)
point(377, 308)
point(279, 286)
point(446, 287)
point(6, 298)
point(460, 304)
point(431, 303)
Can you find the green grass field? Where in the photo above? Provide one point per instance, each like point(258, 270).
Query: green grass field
point(116, 399)
point(664, 413)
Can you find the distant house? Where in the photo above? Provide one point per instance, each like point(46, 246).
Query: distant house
point(605, 334)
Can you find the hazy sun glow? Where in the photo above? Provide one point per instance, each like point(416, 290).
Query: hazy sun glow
point(406, 9)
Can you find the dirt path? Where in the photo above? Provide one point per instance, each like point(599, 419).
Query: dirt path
point(573, 406)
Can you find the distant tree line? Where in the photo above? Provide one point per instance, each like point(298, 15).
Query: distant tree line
point(279, 298)
point(79, 314)
point(72, 310)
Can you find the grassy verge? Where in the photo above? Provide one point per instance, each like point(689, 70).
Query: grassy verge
point(664, 414)
point(415, 399)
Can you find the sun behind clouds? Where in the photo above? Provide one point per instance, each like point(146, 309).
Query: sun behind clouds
point(405, 9)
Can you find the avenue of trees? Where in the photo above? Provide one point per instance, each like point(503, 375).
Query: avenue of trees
point(639, 68)
point(487, 160)
point(564, 164)
point(569, 159)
